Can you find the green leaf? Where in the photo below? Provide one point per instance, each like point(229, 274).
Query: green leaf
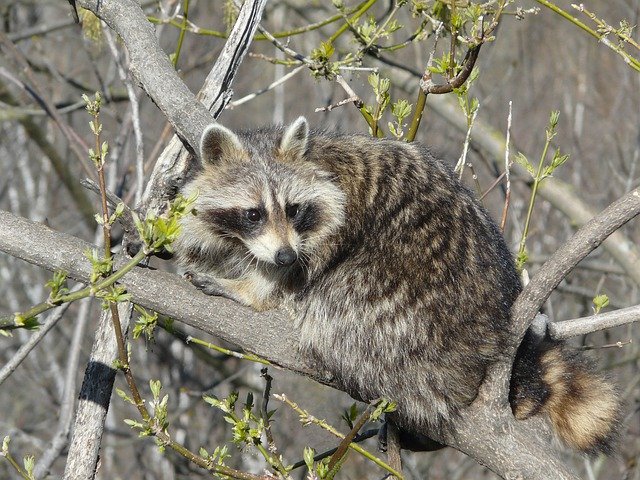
point(600, 302)
point(133, 423)
point(122, 394)
point(308, 455)
point(28, 323)
point(29, 462)
point(155, 386)
point(203, 453)
point(521, 259)
point(401, 109)
point(522, 160)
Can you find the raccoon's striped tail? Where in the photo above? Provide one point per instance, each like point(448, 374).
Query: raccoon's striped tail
point(584, 407)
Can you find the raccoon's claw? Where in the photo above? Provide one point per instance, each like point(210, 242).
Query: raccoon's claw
point(207, 284)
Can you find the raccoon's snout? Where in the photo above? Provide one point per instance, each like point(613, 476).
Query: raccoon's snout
point(285, 257)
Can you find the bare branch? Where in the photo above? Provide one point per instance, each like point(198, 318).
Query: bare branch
point(427, 85)
point(600, 321)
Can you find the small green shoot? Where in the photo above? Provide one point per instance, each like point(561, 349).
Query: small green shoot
point(600, 302)
point(544, 170)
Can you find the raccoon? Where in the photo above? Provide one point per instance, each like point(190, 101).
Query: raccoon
point(398, 280)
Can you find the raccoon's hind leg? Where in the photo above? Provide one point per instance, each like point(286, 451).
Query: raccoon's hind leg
point(243, 291)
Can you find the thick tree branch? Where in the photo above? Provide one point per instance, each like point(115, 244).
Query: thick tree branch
point(151, 67)
point(486, 431)
point(268, 335)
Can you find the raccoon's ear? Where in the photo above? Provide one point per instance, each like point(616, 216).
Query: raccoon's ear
point(295, 137)
point(218, 142)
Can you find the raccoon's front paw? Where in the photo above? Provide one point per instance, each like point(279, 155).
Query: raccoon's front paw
point(206, 283)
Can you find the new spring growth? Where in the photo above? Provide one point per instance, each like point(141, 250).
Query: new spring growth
point(544, 170)
point(93, 107)
point(159, 232)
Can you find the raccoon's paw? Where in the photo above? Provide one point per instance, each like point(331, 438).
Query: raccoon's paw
point(207, 284)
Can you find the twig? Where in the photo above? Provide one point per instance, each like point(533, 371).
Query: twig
point(343, 447)
point(306, 418)
point(226, 351)
point(183, 29)
point(628, 59)
point(330, 107)
point(271, 86)
point(593, 323)
point(358, 438)
point(25, 348)
point(427, 85)
point(264, 411)
point(507, 168)
point(608, 345)
point(459, 169)
point(495, 183)
point(135, 116)
point(422, 95)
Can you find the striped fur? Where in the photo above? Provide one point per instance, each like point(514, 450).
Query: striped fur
point(402, 286)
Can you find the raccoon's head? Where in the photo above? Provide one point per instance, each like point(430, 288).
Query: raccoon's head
point(259, 190)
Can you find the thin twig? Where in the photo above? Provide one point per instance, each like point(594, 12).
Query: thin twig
point(422, 95)
point(307, 418)
point(459, 169)
point(358, 438)
point(343, 447)
point(264, 410)
point(330, 107)
point(271, 86)
point(507, 168)
point(135, 115)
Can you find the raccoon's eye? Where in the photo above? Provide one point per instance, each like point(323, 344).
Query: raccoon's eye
point(292, 210)
point(253, 215)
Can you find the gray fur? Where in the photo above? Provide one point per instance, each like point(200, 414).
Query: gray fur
point(404, 284)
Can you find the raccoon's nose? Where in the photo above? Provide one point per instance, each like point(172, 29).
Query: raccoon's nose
point(285, 257)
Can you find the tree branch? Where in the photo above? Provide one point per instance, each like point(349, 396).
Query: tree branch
point(267, 335)
point(486, 431)
point(600, 321)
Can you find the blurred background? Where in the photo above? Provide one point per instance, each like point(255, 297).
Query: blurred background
point(538, 62)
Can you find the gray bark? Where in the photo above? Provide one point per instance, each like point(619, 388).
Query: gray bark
point(486, 430)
